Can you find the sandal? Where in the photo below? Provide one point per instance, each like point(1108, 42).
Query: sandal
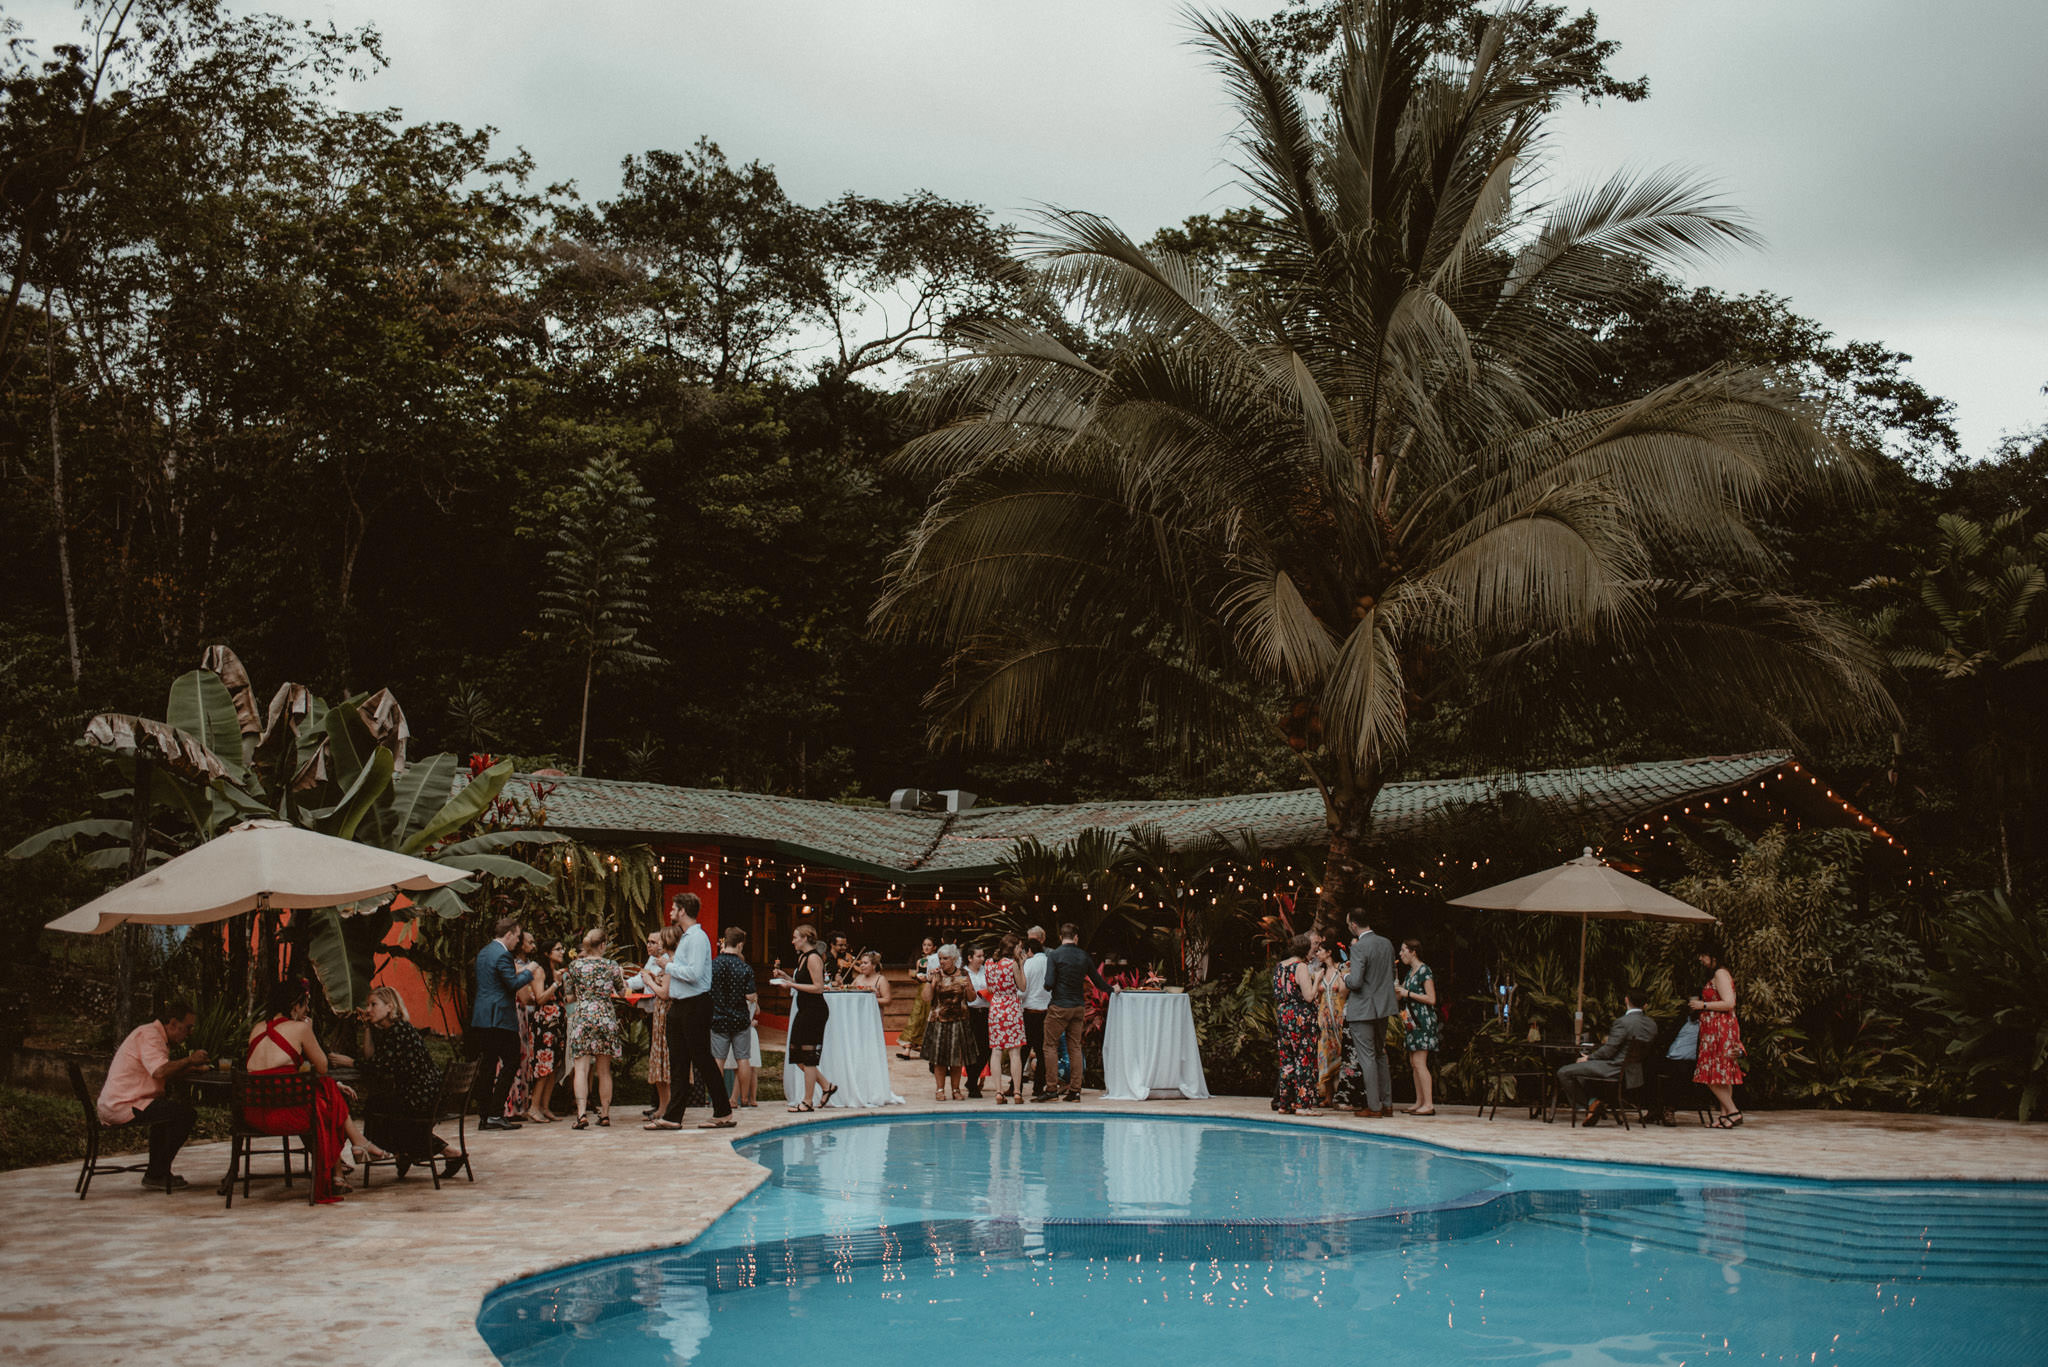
point(716, 1124)
point(604, 1122)
point(1728, 1120)
point(661, 1125)
point(582, 1122)
point(801, 1106)
point(825, 1097)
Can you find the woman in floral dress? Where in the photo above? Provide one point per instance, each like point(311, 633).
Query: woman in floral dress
point(520, 1095)
point(654, 978)
point(1418, 990)
point(1335, 1080)
point(591, 984)
point(1006, 1019)
point(1296, 1031)
point(1719, 1067)
point(548, 1023)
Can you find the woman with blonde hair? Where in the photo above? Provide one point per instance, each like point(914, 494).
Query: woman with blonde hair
point(591, 984)
point(808, 1011)
point(405, 1085)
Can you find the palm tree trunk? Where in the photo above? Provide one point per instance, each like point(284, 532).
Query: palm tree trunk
point(57, 508)
point(583, 727)
point(1347, 807)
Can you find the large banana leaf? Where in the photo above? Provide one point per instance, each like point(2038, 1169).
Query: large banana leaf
point(370, 785)
point(201, 706)
point(498, 864)
point(445, 903)
point(413, 798)
point(350, 746)
point(466, 806)
point(343, 950)
point(72, 830)
point(498, 840)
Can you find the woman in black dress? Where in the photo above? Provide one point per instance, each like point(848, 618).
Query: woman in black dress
point(808, 1010)
point(407, 1083)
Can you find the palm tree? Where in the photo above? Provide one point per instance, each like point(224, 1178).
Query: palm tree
point(597, 605)
point(1352, 490)
point(1977, 620)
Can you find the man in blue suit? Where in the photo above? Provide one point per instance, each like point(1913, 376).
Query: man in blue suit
point(494, 1023)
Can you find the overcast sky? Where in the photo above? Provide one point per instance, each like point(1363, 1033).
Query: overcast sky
point(1894, 153)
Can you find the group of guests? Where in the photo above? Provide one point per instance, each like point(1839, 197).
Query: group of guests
point(1706, 1050)
point(387, 1115)
point(1330, 1011)
point(980, 1014)
point(531, 1012)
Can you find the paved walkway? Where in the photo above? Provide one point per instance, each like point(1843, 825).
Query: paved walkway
point(396, 1275)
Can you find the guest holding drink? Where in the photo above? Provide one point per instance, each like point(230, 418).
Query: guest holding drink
point(1720, 1062)
point(1418, 990)
point(1006, 1019)
point(591, 984)
point(654, 978)
point(1296, 1030)
point(808, 1013)
point(548, 1025)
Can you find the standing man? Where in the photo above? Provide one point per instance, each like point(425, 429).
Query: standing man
point(1037, 998)
point(133, 1093)
point(1068, 971)
point(494, 1022)
point(843, 961)
point(733, 999)
point(1371, 983)
point(689, 1024)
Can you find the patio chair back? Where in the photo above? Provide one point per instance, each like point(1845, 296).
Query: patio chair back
point(267, 1092)
point(88, 1102)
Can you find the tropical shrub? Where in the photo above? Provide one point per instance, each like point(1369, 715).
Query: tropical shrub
point(1993, 993)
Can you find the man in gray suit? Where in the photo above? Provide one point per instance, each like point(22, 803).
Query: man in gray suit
point(1370, 980)
point(1621, 1056)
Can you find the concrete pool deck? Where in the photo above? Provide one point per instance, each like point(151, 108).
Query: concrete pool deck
point(396, 1275)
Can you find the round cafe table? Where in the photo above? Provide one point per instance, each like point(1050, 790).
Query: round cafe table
point(1149, 1048)
point(855, 1057)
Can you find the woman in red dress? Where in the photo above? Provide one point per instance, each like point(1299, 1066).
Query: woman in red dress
point(284, 1043)
point(1720, 1060)
point(1006, 1019)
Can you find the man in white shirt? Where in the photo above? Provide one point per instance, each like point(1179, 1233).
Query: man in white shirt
point(689, 1023)
point(1037, 1001)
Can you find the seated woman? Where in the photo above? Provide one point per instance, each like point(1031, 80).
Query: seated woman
point(284, 1043)
point(406, 1084)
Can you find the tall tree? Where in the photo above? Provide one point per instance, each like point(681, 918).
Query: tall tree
point(1359, 491)
point(596, 602)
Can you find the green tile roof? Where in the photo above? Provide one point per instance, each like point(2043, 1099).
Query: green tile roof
point(925, 847)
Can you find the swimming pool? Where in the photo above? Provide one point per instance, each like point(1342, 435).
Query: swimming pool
point(1041, 1239)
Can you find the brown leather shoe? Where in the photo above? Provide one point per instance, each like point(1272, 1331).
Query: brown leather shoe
point(1364, 1114)
point(1387, 1113)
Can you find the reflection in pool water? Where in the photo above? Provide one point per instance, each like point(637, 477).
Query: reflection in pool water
point(1218, 1240)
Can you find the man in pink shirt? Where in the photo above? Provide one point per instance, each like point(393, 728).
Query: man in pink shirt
point(133, 1093)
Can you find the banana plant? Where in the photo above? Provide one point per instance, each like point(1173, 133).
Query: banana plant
point(340, 770)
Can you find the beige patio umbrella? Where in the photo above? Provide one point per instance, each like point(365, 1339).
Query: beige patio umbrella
point(1589, 890)
point(268, 864)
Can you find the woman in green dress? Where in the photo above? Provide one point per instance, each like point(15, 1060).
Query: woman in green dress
point(1418, 990)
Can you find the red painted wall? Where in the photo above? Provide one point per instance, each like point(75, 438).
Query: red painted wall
point(704, 863)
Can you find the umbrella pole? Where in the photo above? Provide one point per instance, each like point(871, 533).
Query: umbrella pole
point(1579, 1011)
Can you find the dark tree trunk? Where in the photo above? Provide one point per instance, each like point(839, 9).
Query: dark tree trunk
point(1347, 806)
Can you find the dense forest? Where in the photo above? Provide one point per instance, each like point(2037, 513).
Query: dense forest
point(609, 483)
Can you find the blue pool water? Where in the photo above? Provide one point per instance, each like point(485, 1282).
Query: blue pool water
point(1040, 1239)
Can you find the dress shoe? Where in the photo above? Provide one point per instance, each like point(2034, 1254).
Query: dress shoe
point(168, 1182)
point(1364, 1114)
point(498, 1122)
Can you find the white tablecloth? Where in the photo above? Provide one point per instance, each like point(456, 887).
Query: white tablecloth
point(856, 1056)
point(1149, 1049)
